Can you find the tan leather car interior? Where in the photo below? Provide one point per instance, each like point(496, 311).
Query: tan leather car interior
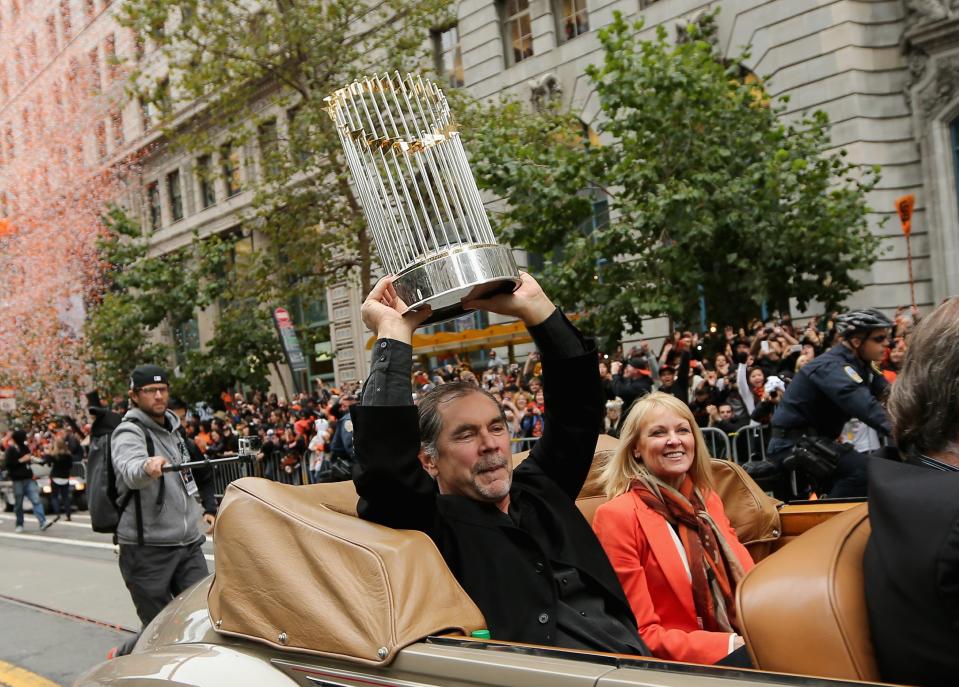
point(373, 587)
point(803, 609)
point(295, 573)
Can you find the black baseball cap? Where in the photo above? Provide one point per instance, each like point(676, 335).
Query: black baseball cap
point(147, 374)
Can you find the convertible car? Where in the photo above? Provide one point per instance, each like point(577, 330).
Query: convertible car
point(306, 593)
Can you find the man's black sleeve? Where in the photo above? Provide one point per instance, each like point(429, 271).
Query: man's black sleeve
point(394, 489)
point(389, 383)
point(203, 476)
point(574, 403)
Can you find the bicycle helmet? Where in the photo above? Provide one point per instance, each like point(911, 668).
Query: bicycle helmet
point(864, 320)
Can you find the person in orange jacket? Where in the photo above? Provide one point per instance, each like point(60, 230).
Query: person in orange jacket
point(669, 540)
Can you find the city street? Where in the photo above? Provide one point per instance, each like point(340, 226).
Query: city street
point(62, 601)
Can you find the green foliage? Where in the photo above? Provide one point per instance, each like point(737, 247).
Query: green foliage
point(143, 293)
point(238, 59)
point(711, 192)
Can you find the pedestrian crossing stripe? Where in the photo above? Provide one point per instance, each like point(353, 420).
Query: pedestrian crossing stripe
point(15, 676)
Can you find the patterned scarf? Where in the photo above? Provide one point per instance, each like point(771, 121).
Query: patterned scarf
point(713, 565)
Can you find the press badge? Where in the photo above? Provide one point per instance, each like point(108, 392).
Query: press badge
point(186, 475)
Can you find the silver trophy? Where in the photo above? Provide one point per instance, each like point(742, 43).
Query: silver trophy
point(418, 193)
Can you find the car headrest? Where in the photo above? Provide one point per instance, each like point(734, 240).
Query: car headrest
point(753, 513)
point(298, 574)
point(803, 609)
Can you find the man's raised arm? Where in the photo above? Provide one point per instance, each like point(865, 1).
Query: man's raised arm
point(392, 486)
point(571, 384)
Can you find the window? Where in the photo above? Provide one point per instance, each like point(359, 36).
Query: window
point(298, 135)
point(52, 38)
point(572, 19)
point(269, 148)
point(110, 55)
point(175, 194)
point(204, 173)
point(65, 20)
point(954, 137)
point(517, 30)
point(33, 52)
point(186, 338)
point(448, 56)
point(116, 121)
point(93, 57)
point(101, 135)
point(230, 165)
point(153, 204)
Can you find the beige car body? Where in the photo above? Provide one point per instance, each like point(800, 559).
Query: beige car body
point(379, 607)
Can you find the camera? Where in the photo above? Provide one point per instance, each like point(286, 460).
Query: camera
point(248, 446)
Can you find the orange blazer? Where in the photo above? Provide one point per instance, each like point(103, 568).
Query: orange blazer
point(644, 556)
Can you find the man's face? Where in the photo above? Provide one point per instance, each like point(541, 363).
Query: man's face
point(873, 345)
point(473, 453)
point(725, 413)
point(152, 399)
point(666, 377)
point(631, 372)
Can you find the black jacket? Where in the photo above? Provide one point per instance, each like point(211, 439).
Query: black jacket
point(631, 389)
point(15, 469)
point(505, 563)
point(911, 572)
point(831, 389)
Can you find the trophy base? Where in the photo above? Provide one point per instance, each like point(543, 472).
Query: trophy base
point(444, 281)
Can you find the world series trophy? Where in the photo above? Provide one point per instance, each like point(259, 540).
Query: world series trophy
point(418, 194)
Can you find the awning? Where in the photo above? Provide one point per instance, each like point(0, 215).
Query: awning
point(493, 336)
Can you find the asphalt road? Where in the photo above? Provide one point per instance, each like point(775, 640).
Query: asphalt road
point(72, 573)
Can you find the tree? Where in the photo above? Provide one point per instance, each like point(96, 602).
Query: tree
point(712, 193)
point(232, 58)
point(142, 293)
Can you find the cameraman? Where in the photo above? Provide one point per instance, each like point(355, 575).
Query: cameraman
point(834, 387)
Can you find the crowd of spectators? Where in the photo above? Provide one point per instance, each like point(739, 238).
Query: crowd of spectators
point(732, 378)
point(729, 378)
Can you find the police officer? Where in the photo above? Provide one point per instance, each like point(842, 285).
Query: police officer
point(840, 384)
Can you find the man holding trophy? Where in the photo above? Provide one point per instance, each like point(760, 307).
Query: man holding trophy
point(513, 538)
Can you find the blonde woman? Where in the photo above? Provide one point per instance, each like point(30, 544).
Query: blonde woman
point(668, 537)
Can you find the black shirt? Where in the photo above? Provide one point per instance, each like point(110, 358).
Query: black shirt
point(582, 621)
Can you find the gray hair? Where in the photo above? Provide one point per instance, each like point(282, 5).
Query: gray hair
point(431, 420)
point(924, 403)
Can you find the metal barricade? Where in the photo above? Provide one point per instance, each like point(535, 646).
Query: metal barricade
point(717, 442)
point(272, 468)
point(749, 443)
point(224, 474)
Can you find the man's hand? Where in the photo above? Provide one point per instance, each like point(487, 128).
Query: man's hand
point(616, 367)
point(210, 521)
point(528, 303)
point(383, 310)
point(713, 412)
point(154, 466)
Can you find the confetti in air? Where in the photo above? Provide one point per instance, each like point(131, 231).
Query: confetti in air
point(62, 162)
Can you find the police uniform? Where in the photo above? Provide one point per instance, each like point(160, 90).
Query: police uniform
point(823, 396)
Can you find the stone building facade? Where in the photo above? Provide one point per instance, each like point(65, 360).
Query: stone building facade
point(885, 71)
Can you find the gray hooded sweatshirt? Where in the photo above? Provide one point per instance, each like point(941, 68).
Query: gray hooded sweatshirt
point(174, 521)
